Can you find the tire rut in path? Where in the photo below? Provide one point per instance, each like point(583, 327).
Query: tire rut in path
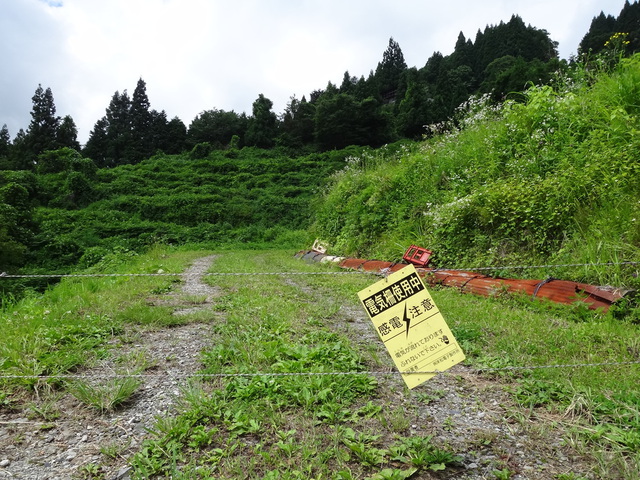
point(62, 447)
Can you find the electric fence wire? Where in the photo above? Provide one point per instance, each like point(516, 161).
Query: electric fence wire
point(272, 374)
point(351, 272)
point(178, 375)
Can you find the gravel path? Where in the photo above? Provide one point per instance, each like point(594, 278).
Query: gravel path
point(68, 445)
point(471, 415)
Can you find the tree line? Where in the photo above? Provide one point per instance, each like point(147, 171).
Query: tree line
point(394, 102)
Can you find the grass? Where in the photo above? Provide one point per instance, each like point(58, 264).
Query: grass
point(276, 324)
point(68, 325)
point(104, 396)
point(321, 426)
point(549, 180)
point(598, 405)
point(306, 426)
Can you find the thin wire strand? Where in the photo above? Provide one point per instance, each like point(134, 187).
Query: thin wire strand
point(176, 375)
point(351, 272)
point(181, 375)
point(565, 265)
point(73, 275)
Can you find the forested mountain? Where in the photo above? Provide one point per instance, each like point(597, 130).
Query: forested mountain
point(393, 102)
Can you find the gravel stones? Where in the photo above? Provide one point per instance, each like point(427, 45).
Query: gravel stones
point(472, 416)
point(60, 448)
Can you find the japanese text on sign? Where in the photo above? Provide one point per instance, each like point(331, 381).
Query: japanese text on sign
point(393, 294)
point(411, 326)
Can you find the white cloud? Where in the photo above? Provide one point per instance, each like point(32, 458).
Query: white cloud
point(201, 54)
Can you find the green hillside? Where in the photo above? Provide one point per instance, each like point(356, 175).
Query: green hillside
point(69, 214)
point(549, 177)
point(553, 177)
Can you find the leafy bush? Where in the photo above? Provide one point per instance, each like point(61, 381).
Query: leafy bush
point(206, 197)
point(201, 150)
point(532, 181)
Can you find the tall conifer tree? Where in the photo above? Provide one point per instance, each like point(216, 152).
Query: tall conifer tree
point(96, 147)
point(5, 141)
point(141, 124)
point(68, 134)
point(42, 133)
point(118, 117)
point(390, 70)
point(263, 125)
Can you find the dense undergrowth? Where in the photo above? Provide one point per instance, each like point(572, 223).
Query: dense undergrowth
point(553, 177)
point(68, 214)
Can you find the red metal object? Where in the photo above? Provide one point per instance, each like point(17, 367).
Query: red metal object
point(560, 291)
point(417, 255)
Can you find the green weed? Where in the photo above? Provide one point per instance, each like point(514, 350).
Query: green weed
point(114, 450)
point(104, 396)
point(530, 182)
point(503, 474)
point(91, 471)
point(276, 423)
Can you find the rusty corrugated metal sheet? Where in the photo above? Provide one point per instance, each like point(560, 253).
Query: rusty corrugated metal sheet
point(560, 291)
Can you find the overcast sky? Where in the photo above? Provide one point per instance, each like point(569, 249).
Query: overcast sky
point(196, 55)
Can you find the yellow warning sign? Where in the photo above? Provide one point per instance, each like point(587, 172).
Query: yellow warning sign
point(411, 326)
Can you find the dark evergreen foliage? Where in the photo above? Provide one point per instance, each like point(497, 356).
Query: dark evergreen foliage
point(341, 120)
point(216, 127)
point(629, 22)
point(393, 102)
point(297, 123)
point(19, 159)
point(175, 138)
point(5, 148)
point(416, 107)
point(130, 131)
point(42, 133)
point(167, 136)
point(263, 124)
point(389, 71)
point(142, 123)
point(68, 134)
point(96, 147)
point(603, 27)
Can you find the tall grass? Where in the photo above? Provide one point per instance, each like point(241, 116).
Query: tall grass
point(553, 178)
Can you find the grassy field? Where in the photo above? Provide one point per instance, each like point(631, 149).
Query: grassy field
point(323, 426)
